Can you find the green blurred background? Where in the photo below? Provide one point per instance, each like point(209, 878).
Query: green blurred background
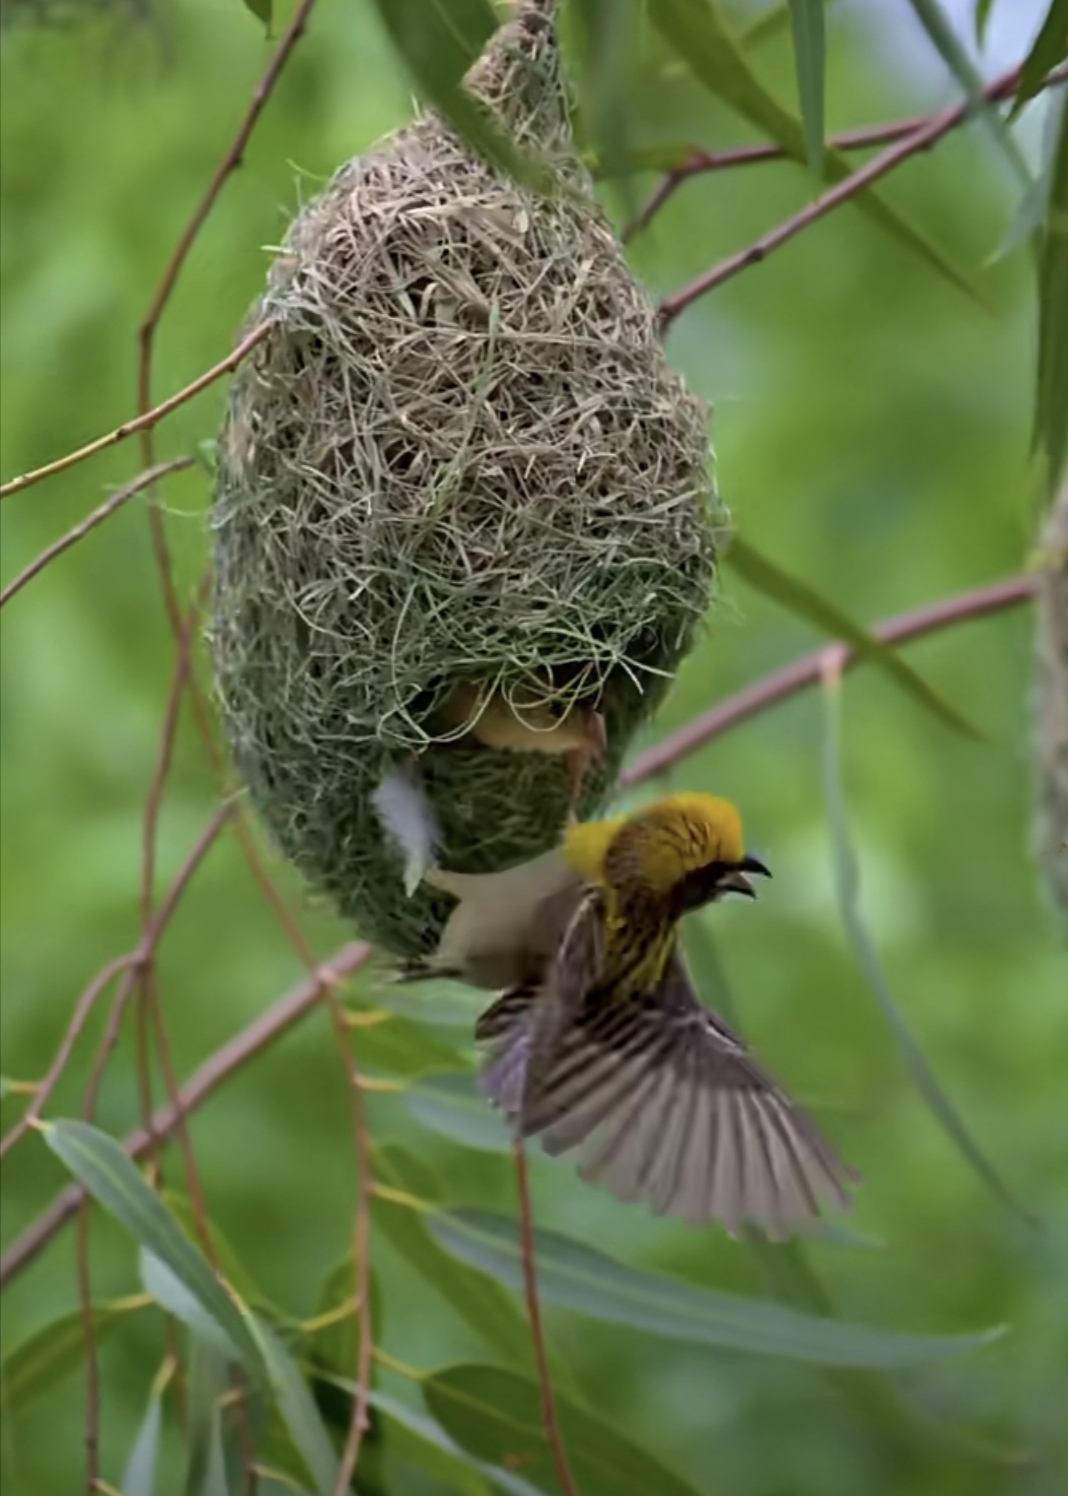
point(872, 429)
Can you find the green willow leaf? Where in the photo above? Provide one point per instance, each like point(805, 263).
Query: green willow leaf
point(263, 10)
point(426, 1444)
point(49, 1354)
point(766, 577)
point(451, 1105)
point(1049, 50)
point(438, 41)
point(948, 45)
point(1051, 395)
point(587, 1281)
point(108, 1174)
point(810, 58)
point(982, 19)
point(139, 1477)
point(205, 1470)
point(769, 24)
point(297, 1409)
point(171, 1294)
point(847, 879)
point(704, 42)
point(488, 1310)
point(497, 1416)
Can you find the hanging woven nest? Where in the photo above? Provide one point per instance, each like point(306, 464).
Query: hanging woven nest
point(458, 459)
point(1051, 702)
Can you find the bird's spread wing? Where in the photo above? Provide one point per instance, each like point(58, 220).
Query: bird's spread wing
point(666, 1108)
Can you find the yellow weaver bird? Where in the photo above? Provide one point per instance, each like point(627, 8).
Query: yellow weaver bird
point(598, 1041)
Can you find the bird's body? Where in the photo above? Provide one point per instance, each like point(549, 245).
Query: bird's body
point(598, 1041)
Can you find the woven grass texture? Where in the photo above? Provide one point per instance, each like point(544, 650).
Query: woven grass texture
point(458, 457)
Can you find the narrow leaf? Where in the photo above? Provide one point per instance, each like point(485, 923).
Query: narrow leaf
point(488, 1310)
point(205, 1471)
point(263, 10)
point(589, 1282)
point(171, 1294)
point(606, 32)
point(766, 577)
point(450, 1105)
point(497, 1416)
point(847, 878)
point(1049, 51)
point(948, 45)
point(704, 42)
point(425, 1443)
point(297, 1409)
point(49, 1354)
point(438, 41)
point(139, 1477)
point(810, 59)
point(982, 19)
point(767, 25)
point(108, 1174)
point(1051, 397)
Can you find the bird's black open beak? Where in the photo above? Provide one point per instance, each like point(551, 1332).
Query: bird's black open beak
point(736, 881)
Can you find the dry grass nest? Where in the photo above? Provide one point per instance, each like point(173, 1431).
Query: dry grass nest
point(458, 455)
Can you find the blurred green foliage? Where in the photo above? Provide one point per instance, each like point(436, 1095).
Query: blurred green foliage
point(872, 429)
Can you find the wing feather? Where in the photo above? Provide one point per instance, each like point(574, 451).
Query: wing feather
point(661, 1102)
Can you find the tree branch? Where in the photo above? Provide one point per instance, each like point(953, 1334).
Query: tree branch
point(550, 1422)
point(701, 162)
point(141, 422)
point(217, 1068)
point(792, 678)
point(934, 127)
point(90, 522)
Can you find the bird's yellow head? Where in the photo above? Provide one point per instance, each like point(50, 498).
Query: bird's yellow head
point(689, 846)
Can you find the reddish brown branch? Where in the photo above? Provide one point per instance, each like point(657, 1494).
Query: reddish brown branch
point(232, 1057)
point(142, 422)
point(290, 1009)
point(806, 672)
point(82, 1008)
point(148, 990)
point(131, 964)
point(90, 522)
point(550, 1422)
point(700, 162)
point(229, 163)
point(933, 128)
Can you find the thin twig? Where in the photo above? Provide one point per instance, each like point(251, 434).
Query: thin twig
point(289, 1010)
point(549, 1420)
point(361, 1249)
point(147, 948)
point(143, 960)
point(229, 164)
point(806, 672)
point(205, 1080)
point(82, 1008)
point(700, 162)
point(83, 1275)
point(932, 130)
point(90, 522)
point(142, 422)
point(147, 986)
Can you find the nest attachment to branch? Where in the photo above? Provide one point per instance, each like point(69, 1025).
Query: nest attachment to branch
point(458, 458)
